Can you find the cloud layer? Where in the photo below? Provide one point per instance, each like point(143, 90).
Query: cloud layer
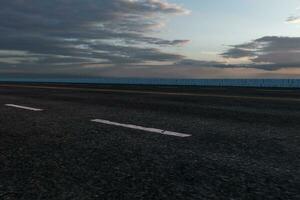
point(78, 32)
point(269, 52)
point(115, 37)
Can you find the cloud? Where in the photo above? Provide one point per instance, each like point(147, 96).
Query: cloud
point(238, 52)
point(50, 34)
point(270, 52)
point(198, 63)
point(293, 20)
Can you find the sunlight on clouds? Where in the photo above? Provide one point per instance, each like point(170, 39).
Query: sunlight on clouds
point(293, 20)
point(289, 71)
point(241, 61)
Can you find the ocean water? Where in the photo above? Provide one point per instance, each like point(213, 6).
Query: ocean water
point(285, 83)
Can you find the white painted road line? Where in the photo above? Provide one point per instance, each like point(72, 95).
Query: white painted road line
point(24, 107)
point(153, 130)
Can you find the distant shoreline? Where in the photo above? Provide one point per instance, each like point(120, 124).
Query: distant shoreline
point(277, 83)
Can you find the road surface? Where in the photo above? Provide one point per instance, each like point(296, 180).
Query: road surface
point(137, 142)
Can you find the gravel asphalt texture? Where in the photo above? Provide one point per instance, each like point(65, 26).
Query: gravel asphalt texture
point(245, 143)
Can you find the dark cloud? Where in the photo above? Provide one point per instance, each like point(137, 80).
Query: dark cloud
point(77, 32)
point(238, 52)
point(269, 52)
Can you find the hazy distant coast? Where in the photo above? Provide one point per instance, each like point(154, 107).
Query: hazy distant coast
point(284, 83)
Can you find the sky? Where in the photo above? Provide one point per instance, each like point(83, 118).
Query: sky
point(150, 38)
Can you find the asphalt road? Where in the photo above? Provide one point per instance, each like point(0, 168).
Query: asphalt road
point(239, 143)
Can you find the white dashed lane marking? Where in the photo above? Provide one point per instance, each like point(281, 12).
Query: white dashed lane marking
point(24, 107)
point(152, 130)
